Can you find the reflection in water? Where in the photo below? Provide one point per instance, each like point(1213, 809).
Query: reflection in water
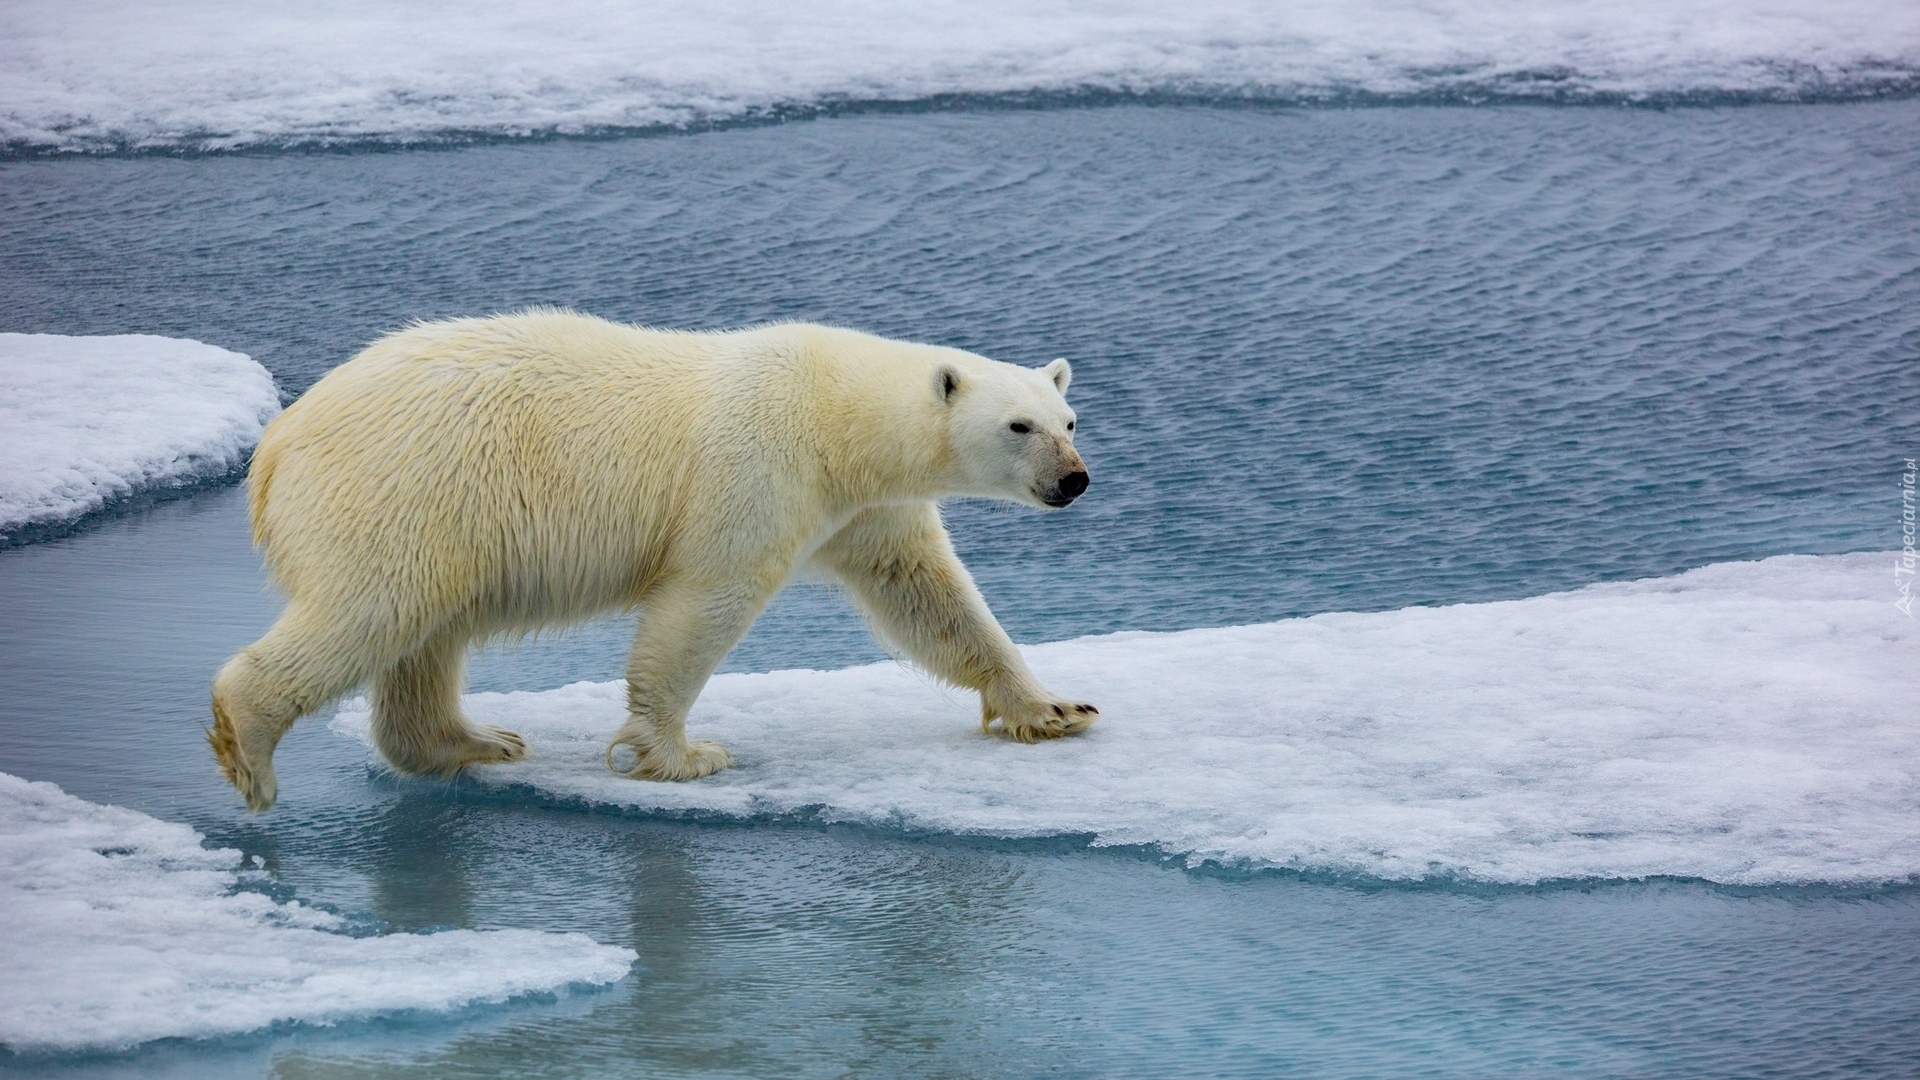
point(418, 856)
point(760, 953)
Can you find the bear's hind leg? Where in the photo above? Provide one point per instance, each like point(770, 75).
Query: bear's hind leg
point(417, 723)
point(684, 633)
point(304, 660)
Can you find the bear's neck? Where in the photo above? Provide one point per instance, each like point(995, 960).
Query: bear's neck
point(880, 448)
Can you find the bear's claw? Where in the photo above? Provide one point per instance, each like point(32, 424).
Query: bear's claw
point(1054, 720)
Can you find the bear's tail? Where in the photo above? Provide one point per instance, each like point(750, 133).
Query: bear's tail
point(259, 483)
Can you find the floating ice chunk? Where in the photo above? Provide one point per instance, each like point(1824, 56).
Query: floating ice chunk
point(78, 74)
point(1741, 723)
point(84, 420)
point(119, 928)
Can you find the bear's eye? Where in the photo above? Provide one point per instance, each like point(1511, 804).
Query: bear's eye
point(1019, 428)
point(1069, 425)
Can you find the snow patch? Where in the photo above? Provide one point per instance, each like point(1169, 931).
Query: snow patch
point(1748, 723)
point(120, 928)
point(86, 420)
point(100, 74)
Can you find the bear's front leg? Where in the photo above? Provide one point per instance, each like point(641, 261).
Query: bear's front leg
point(685, 631)
point(899, 565)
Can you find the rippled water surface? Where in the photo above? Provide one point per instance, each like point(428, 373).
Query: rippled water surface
point(1328, 359)
point(1325, 360)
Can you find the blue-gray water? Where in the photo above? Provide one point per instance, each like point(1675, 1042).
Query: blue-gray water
point(1325, 360)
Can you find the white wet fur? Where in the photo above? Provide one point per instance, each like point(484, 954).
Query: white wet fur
point(467, 478)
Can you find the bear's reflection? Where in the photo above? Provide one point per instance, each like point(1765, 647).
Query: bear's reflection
point(764, 948)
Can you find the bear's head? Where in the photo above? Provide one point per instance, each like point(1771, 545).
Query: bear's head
point(1012, 431)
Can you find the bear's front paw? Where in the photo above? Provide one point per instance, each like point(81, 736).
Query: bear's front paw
point(1050, 718)
point(690, 760)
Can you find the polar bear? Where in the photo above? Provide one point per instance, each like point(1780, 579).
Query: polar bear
point(471, 477)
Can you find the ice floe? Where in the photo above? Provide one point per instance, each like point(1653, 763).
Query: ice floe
point(1753, 722)
point(120, 928)
point(92, 74)
point(86, 420)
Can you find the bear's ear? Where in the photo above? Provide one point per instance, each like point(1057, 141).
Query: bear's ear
point(946, 381)
point(1060, 372)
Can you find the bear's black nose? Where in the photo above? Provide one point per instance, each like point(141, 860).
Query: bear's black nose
point(1072, 484)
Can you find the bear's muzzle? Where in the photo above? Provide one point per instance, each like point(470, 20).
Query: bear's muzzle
point(1068, 488)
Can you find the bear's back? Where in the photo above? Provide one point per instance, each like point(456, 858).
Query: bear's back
point(487, 437)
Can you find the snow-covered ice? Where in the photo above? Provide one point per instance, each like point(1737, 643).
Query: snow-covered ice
point(119, 928)
point(1751, 723)
point(86, 74)
point(85, 420)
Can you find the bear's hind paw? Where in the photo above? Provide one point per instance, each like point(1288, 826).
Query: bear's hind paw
point(488, 744)
point(698, 758)
point(476, 744)
point(256, 783)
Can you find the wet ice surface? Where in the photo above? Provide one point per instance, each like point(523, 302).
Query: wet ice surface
point(1734, 724)
point(1328, 361)
point(85, 421)
point(122, 929)
point(100, 74)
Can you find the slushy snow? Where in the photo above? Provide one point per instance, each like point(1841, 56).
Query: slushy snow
point(94, 74)
point(86, 420)
point(1750, 723)
point(119, 928)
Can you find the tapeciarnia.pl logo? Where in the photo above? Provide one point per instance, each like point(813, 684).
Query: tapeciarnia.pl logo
point(1903, 567)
